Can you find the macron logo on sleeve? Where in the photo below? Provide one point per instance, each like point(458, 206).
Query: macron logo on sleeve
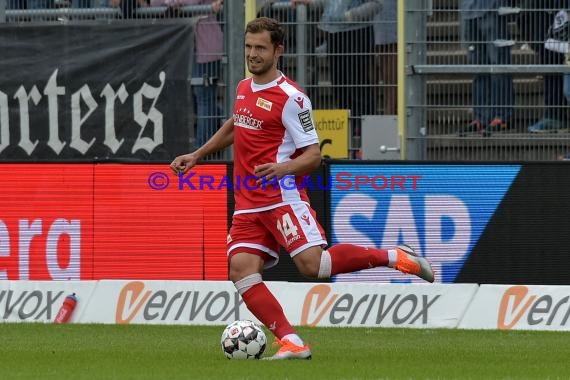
point(299, 100)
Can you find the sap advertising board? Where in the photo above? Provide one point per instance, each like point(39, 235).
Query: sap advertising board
point(440, 210)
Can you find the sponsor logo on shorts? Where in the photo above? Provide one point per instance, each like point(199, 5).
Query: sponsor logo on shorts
point(293, 239)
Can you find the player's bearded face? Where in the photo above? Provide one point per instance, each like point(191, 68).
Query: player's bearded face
point(259, 66)
point(260, 53)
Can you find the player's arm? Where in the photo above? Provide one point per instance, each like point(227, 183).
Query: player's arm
point(298, 121)
point(223, 138)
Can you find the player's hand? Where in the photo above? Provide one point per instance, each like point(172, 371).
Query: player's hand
point(270, 171)
point(183, 163)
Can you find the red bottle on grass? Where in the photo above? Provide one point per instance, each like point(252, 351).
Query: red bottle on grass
point(66, 309)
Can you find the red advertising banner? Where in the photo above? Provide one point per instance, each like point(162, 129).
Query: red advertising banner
point(110, 221)
point(46, 221)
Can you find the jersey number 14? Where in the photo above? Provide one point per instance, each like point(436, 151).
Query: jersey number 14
point(286, 227)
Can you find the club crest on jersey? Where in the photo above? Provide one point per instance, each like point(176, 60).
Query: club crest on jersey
point(265, 104)
point(306, 121)
point(299, 101)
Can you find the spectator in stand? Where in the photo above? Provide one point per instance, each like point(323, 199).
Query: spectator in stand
point(348, 26)
point(534, 23)
point(567, 90)
point(567, 81)
point(485, 31)
point(386, 39)
point(206, 65)
point(287, 16)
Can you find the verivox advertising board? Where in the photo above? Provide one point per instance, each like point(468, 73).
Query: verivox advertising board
point(466, 306)
point(39, 301)
point(519, 307)
point(218, 303)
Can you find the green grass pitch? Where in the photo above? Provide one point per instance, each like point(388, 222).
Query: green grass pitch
point(46, 351)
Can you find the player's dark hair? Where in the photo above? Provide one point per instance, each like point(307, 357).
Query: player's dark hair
point(273, 26)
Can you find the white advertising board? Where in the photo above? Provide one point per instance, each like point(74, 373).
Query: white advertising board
point(519, 307)
point(39, 301)
point(165, 302)
point(386, 305)
point(217, 303)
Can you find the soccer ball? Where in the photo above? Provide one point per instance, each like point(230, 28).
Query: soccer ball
point(243, 340)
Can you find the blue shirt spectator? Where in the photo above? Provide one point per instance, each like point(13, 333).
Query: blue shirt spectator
point(485, 32)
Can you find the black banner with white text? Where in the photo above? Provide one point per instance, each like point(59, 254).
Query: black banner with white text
point(95, 91)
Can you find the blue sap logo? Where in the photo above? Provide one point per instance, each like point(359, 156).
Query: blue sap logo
point(443, 218)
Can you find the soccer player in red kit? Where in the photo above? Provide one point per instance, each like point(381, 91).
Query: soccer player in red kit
point(274, 139)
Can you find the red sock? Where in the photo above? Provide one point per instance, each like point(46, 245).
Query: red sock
point(346, 258)
point(263, 304)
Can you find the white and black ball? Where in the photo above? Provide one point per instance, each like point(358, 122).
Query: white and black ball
point(243, 340)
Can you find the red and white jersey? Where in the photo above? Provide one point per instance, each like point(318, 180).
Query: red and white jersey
point(272, 122)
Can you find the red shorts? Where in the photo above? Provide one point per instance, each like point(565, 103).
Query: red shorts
point(294, 227)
